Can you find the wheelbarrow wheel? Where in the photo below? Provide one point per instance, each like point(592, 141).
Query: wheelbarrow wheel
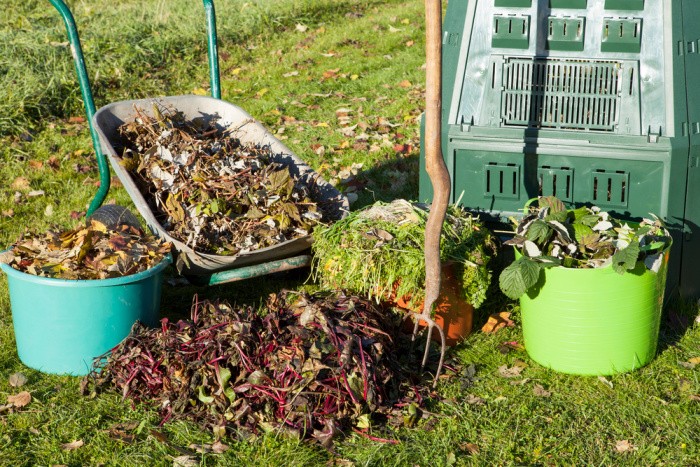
point(113, 215)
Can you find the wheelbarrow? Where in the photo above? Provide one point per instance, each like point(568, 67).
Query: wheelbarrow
point(197, 267)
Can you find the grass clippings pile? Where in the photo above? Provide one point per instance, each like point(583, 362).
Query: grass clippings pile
point(209, 190)
point(313, 367)
point(89, 251)
point(378, 252)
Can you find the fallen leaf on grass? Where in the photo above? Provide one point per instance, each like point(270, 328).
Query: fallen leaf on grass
point(605, 381)
point(35, 193)
point(72, 446)
point(405, 84)
point(120, 432)
point(497, 321)
point(695, 397)
point(20, 400)
point(691, 363)
point(54, 162)
point(218, 447)
point(506, 347)
point(514, 371)
point(185, 461)
point(625, 446)
point(37, 165)
point(20, 183)
point(8, 213)
point(474, 400)
point(540, 391)
point(469, 448)
point(520, 382)
point(17, 380)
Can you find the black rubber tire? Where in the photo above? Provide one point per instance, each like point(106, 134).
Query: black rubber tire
point(113, 215)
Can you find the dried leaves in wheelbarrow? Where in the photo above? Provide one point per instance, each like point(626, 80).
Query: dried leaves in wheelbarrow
point(89, 251)
point(209, 190)
point(313, 367)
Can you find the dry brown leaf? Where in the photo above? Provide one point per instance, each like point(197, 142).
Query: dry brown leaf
point(625, 446)
point(474, 400)
point(8, 213)
point(497, 321)
point(694, 360)
point(218, 447)
point(695, 397)
point(410, 43)
point(469, 448)
point(511, 372)
point(405, 84)
point(20, 400)
point(540, 391)
point(73, 445)
point(17, 380)
point(185, 461)
point(54, 162)
point(20, 183)
point(37, 165)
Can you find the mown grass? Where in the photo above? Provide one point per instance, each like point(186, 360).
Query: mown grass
point(365, 56)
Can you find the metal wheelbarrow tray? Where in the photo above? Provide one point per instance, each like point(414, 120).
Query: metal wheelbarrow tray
point(109, 118)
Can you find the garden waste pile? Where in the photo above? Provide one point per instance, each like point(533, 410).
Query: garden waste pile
point(312, 367)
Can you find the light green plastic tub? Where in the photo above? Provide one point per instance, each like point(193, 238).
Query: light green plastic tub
point(61, 325)
point(594, 321)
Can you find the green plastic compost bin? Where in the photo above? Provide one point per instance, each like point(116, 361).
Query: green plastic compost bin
point(594, 321)
point(593, 101)
point(62, 325)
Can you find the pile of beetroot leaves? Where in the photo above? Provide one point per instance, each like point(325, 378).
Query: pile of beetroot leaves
point(312, 367)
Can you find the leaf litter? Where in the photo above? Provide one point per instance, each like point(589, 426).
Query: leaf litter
point(211, 191)
point(313, 367)
point(88, 251)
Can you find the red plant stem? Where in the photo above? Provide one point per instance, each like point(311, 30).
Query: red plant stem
point(347, 387)
point(374, 438)
point(364, 369)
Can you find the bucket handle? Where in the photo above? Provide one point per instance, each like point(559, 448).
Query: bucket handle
point(86, 92)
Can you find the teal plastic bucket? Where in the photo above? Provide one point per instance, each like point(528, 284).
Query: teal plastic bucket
point(62, 325)
point(594, 321)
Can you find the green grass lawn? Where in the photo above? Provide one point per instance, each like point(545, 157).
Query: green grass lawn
point(341, 83)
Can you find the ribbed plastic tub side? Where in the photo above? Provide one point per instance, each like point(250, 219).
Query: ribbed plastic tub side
point(62, 325)
point(594, 321)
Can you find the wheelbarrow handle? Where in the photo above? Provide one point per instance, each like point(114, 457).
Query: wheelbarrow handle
point(86, 90)
point(213, 50)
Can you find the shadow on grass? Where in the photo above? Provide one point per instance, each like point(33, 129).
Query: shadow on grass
point(676, 319)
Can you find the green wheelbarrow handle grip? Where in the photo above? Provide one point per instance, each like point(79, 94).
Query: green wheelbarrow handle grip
point(86, 90)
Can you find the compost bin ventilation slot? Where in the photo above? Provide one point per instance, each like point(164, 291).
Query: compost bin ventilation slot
point(562, 94)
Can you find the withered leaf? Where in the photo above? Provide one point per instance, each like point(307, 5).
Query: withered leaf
point(210, 190)
point(624, 446)
point(510, 372)
point(274, 374)
point(17, 379)
point(497, 321)
point(20, 399)
point(185, 461)
point(540, 391)
point(469, 448)
point(86, 252)
point(73, 445)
